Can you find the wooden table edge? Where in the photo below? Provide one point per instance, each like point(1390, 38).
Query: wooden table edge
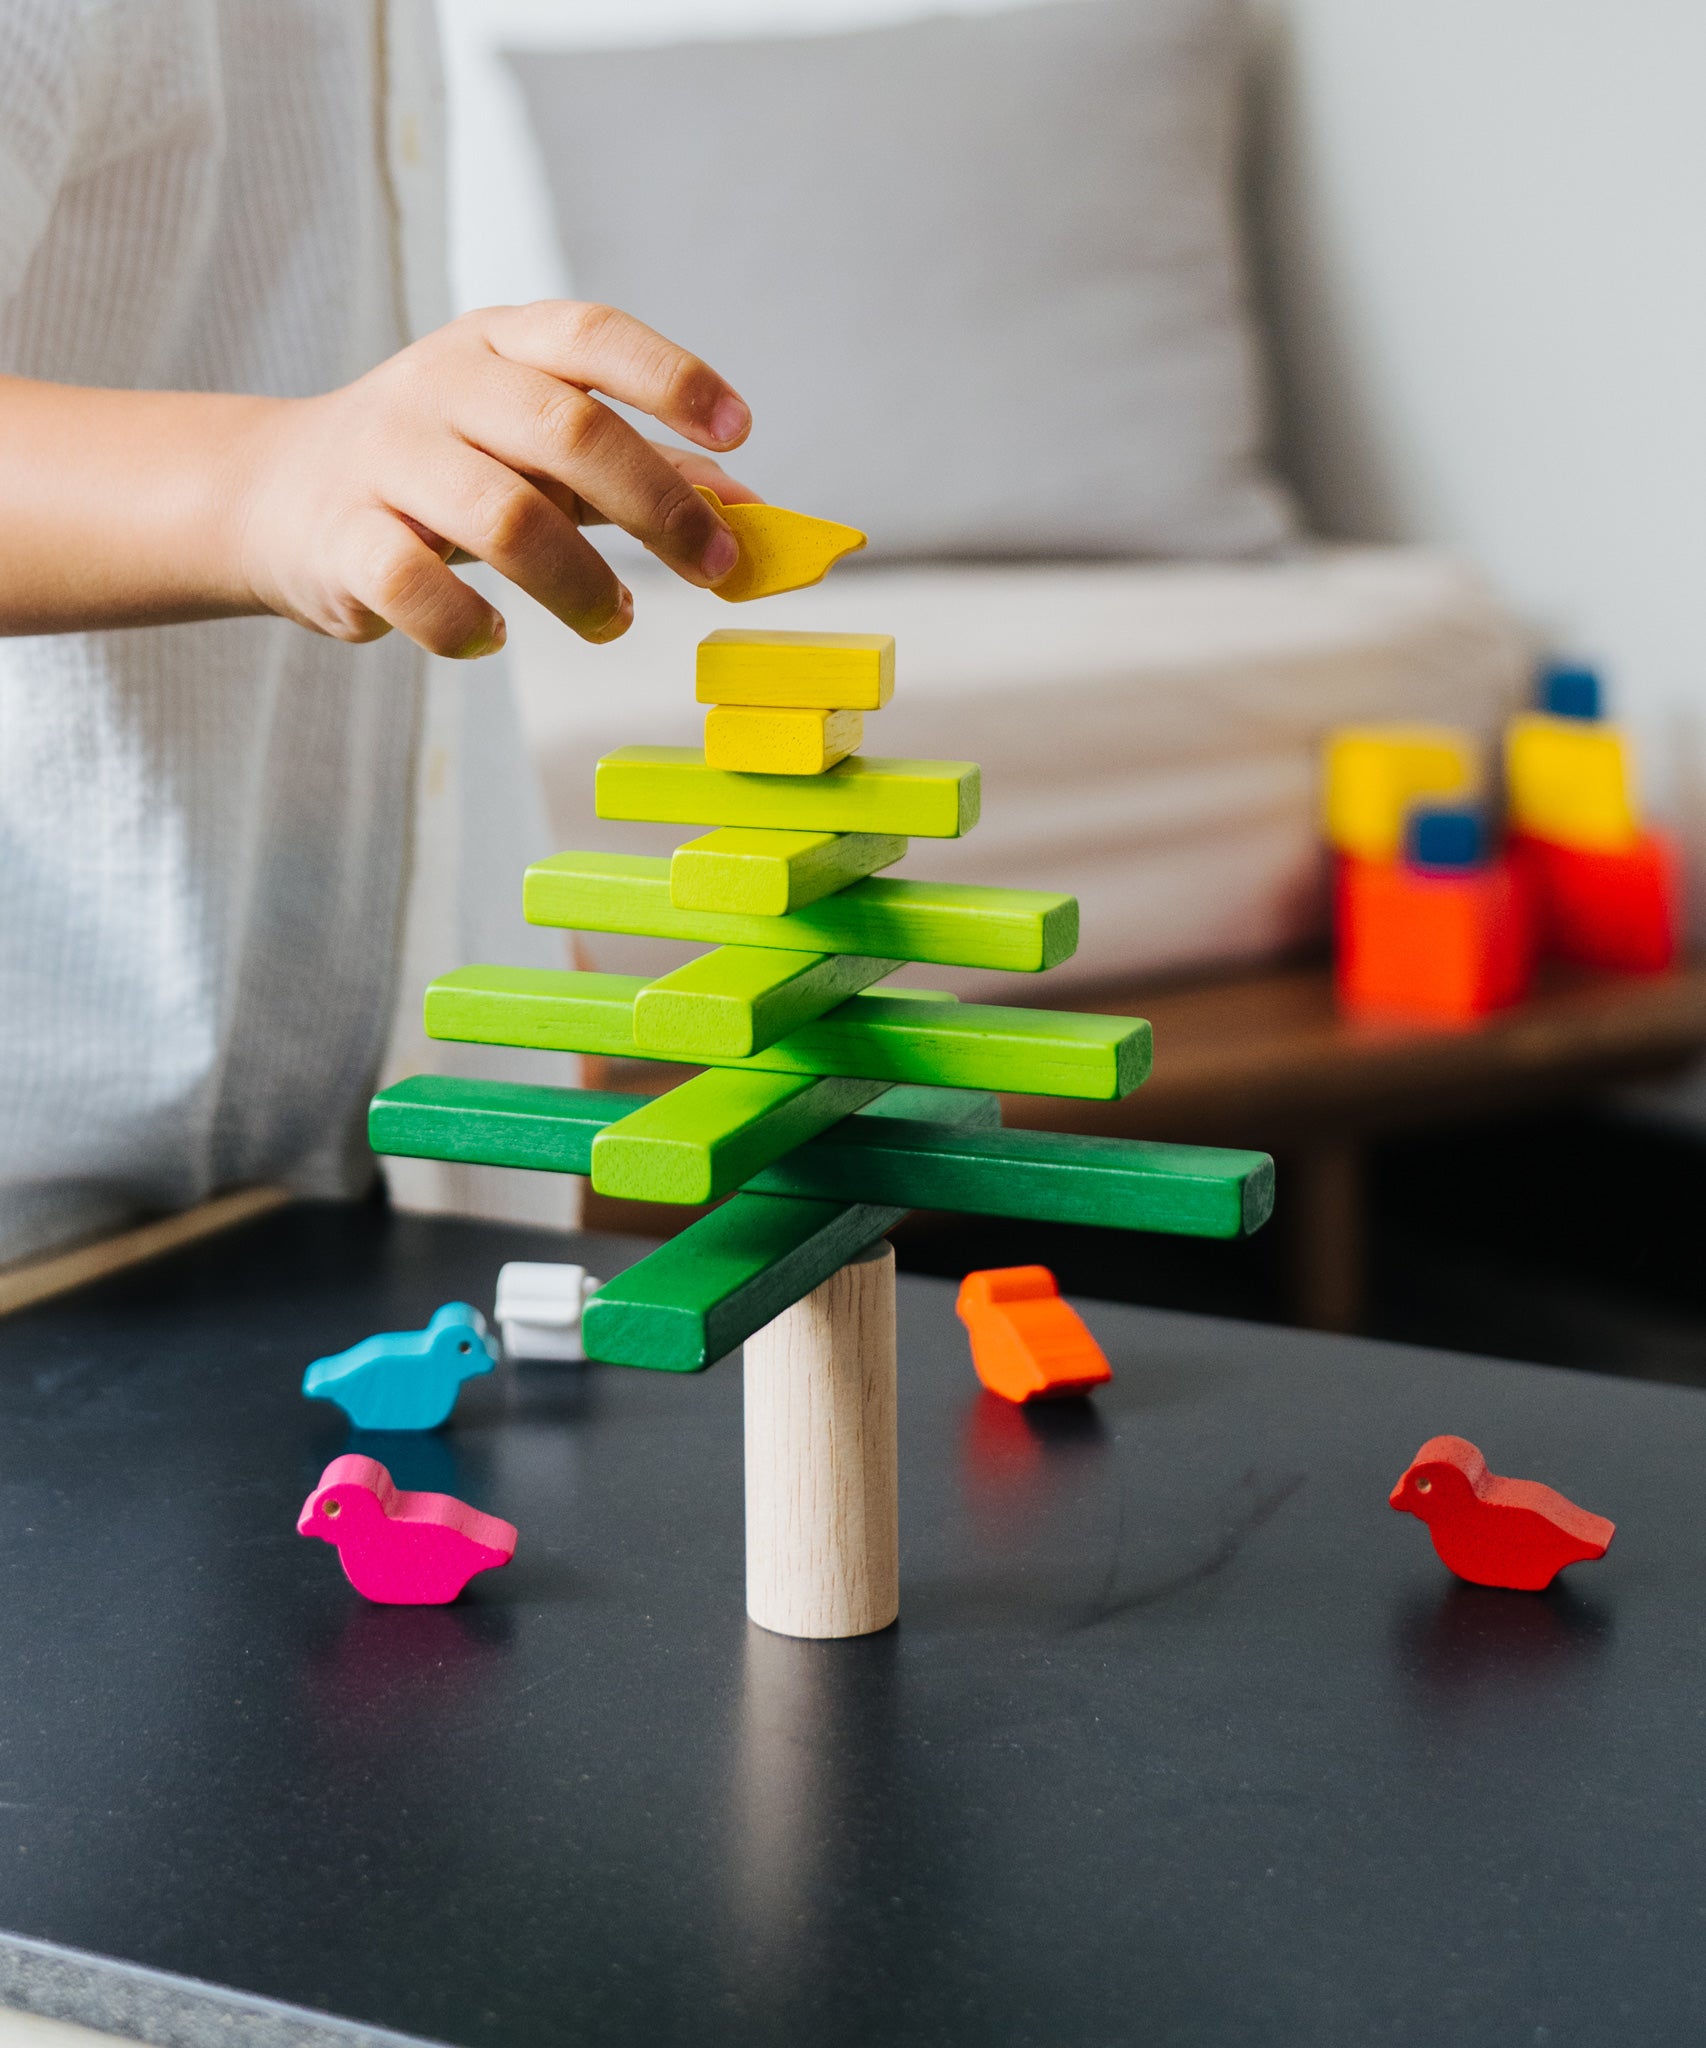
point(21, 1286)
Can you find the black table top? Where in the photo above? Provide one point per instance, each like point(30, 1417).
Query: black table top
point(1183, 1736)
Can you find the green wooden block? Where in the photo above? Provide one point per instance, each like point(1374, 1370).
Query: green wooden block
point(1039, 1176)
point(552, 1130)
point(706, 1137)
point(944, 924)
point(736, 1001)
point(903, 1035)
point(896, 1151)
point(673, 786)
point(493, 1123)
point(744, 871)
point(696, 1297)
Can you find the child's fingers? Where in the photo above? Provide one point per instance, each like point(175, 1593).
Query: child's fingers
point(601, 349)
point(704, 469)
point(502, 519)
point(557, 433)
point(399, 580)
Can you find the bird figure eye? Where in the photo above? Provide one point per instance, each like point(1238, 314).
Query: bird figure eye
point(464, 1346)
point(1424, 1486)
point(331, 1509)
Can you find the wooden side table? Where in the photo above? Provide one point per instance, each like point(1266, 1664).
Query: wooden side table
point(1267, 1060)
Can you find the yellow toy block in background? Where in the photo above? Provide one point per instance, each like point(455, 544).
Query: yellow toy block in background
point(1376, 772)
point(779, 550)
point(1571, 781)
point(828, 671)
point(798, 742)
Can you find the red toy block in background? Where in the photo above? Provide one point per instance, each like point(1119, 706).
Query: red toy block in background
point(1449, 947)
point(1026, 1343)
point(1619, 910)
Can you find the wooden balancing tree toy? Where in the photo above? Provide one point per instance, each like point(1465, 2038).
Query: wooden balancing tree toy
point(829, 1105)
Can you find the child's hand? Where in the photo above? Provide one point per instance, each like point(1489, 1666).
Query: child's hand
point(482, 440)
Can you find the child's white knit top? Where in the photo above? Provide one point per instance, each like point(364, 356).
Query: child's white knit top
point(203, 829)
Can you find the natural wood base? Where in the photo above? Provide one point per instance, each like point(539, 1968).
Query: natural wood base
point(822, 1478)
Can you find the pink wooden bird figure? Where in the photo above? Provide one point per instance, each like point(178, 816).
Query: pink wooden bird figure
point(1513, 1533)
point(405, 1549)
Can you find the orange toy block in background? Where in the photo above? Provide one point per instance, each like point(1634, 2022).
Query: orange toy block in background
point(1449, 947)
point(1026, 1343)
point(1621, 911)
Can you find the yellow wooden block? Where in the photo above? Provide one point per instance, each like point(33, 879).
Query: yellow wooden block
point(779, 550)
point(1375, 773)
point(747, 741)
point(837, 671)
point(1571, 781)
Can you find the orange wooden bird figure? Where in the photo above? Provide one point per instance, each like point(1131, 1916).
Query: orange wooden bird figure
point(1513, 1533)
point(1027, 1344)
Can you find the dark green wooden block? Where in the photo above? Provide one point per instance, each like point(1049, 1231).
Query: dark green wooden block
point(898, 1150)
point(697, 1296)
point(1040, 1176)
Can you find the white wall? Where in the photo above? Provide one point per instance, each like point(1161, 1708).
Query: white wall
point(1482, 225)
point(1486, 233)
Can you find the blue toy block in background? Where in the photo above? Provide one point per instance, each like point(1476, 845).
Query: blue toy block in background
point(1567, 690)
point(1445, 842)
point(409, 1379)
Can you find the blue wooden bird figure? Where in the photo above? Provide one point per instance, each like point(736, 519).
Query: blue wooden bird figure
point(409, 1379)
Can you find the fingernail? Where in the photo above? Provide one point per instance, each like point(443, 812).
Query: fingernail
point(617, 624)
point(487, 641)
point(729, 418)
point(721, 556)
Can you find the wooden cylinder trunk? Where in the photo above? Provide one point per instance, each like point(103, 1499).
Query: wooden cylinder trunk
point(822, 1481)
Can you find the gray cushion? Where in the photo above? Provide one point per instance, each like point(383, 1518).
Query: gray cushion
point(980, 277)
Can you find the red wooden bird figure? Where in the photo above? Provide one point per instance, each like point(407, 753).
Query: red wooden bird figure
point(403, 1549)
point(1513, 1533)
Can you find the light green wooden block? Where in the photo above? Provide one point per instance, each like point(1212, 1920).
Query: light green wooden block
point(673, 786)
point(702, 1293)
point(946, 924)
point(749, 872)
point(899, 1035)
point(738, 1000)
point(701, 1140)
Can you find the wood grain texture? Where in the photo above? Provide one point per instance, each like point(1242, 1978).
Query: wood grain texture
point(838, 671)
point(739, 999)
point(906, 1035)
point(822, 1477)
point(705, 1138)
point(743, 871)
point(941, 924)
point(910, 1157)
point(749, 739)
point(676, 786)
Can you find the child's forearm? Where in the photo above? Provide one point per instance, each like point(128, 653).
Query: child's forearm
point(120, 508)
point(487, 438)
